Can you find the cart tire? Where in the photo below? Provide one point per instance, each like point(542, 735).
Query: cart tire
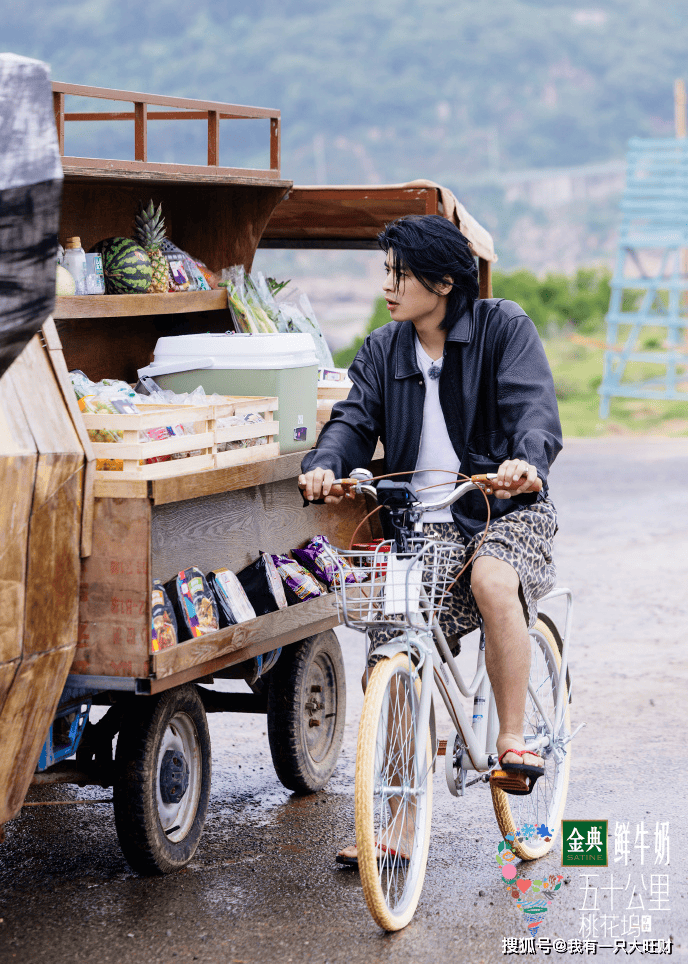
point(306, 711)
point(162, 780)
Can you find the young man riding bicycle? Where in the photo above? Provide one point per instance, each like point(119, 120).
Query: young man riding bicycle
point(460, 384)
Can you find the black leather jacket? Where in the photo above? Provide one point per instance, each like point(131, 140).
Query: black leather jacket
point(496, 392)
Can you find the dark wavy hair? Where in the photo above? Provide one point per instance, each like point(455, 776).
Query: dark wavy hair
point(432, 249)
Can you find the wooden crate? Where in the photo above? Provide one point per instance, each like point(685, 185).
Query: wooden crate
point(267, 430)
point(132, 451)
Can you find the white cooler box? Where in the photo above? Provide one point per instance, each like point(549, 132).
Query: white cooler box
point(284, 365)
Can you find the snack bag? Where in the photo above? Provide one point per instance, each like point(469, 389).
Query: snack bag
point(318, 557)
point(299, 584)
point(263, 585)
point(232, 602)
point(194, 604)
point(164, 623)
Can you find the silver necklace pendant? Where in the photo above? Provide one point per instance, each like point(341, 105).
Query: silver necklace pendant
point(434, 371)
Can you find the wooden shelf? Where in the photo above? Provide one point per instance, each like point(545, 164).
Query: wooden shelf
point(87, 169)
point(216, 651)
point(197, 485)
point(114, 306)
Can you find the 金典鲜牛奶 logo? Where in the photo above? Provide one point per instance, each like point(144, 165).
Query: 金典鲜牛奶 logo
point(584, 843)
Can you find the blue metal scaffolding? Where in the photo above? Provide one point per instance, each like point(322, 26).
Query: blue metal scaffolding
point(649, 289)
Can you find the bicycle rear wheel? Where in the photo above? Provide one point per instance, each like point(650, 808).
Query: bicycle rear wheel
point(524, 815)
point(393, 801)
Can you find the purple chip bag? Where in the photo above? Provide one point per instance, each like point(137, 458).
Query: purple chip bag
point(316, 556)
point(298, 582)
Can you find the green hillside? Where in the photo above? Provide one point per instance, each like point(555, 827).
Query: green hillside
point(388, 90)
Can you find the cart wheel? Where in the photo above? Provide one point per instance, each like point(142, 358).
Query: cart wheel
point(306, 710)
point(162, 781)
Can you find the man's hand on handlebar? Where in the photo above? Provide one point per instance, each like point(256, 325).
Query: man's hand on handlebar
point(318, 484)
point(515, 471)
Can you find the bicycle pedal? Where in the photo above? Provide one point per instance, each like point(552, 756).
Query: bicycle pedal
point(441, 748)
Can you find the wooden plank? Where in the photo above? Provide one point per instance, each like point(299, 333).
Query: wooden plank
point(28, 710)
point(41, 401)
point(256, 453)
point(115, 595)
point(275, 145)
point(17, 475)
point(7, 673)
point(156, 168)
point(141, 131)
point(200, 175)
point(231, 528)
point(58, 108)
point(152, 115)
point(59, 366)
point(15, 432)
point(53, 569)
point(105, 488)
point(88, 509)
point(227, 480)
point(214, 138)
point(276, 629)
point(130, 96)
point(150, 449)
point(113, 306)
point(309, 628)
point(160, 470)
point(18, 460)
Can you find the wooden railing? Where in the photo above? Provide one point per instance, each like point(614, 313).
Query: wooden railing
point(183, 109)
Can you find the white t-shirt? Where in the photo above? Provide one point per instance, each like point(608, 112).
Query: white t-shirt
point(436, 450)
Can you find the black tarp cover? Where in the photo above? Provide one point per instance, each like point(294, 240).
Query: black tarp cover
point(30, 193)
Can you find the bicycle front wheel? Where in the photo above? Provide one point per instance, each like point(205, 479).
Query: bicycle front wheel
point(523, 816)
point(393, 799)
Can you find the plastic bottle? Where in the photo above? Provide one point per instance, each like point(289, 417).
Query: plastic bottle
point(75, 262)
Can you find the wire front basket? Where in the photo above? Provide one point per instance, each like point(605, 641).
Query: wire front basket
point(379, 586)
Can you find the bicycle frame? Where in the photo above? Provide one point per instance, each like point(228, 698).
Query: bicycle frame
point(479, 736)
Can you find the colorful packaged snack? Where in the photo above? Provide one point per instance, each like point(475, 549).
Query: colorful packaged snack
point(263, 585)
point(164, 623)
point(317, 557)
point(194, 604)
point(299, 584)
point(232, 602)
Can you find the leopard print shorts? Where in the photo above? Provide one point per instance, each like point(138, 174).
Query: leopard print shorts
point(523, 538)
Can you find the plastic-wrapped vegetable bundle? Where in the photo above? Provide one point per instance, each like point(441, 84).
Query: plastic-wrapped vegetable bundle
point(164, 623)
point(263, 585)
point(297, 315)
point(299, 584)
point(244, 303)
point(232, 602)
point(194, 604)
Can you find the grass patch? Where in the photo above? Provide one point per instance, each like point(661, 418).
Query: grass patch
point(577, 372)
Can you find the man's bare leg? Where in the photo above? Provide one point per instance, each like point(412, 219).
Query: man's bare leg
point(495, 586)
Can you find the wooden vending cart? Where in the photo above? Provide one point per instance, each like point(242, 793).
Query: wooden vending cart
point(134, 530)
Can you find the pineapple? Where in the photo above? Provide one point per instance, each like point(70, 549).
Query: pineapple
point(150, 234)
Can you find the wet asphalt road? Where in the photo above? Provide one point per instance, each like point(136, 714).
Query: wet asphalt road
point(263, 885)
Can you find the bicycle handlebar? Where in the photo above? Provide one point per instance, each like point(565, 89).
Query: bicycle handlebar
point(484, 482)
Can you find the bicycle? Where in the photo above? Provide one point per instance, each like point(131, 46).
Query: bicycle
point(400, 584)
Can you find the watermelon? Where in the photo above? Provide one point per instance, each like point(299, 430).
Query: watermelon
point(126, 266)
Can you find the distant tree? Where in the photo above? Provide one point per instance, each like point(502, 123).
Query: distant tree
point(378, 318)
point(557, 300)
point(581, 300)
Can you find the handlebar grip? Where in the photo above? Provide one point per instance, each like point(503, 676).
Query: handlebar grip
point(487, 482)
